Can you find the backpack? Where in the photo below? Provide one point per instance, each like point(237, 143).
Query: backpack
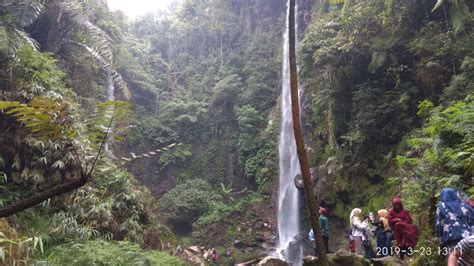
point(349, 234)
point(351, 244)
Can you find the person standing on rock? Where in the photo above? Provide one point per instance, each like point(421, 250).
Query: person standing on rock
point(358, 230)
point(383, 234)
point(324, 223)
point(367, 242)
point(404, 232)
point(454, 219)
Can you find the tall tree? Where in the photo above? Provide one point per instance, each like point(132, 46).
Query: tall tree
point(311, 198)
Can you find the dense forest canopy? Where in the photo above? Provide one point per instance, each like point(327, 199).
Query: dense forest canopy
point(125, 140)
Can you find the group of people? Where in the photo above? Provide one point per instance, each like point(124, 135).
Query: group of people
point(454, 230)
point(395, 223)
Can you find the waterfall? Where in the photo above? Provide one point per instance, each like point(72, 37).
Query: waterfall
point(110, 97)
point(288, 196)
point(110, 88)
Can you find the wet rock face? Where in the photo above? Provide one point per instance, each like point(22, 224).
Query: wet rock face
point(293, 253)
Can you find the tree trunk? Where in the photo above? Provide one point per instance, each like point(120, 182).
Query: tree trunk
point(42, 196)
point(312, 201)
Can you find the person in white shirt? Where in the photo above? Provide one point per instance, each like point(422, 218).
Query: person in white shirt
point(358, 229)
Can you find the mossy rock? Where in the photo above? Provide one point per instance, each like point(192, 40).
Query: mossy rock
point(338, 259)
point(159, 237)
point(387, 261)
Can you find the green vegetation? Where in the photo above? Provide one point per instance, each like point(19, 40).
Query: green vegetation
point(388, 94)
point(391, 96)
point(439, 155)
point(186, 202)
point(107, 253)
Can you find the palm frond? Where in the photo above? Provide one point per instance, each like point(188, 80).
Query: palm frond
point(74, 10)
point(12, 39)
point(101, 49)
point(460, 16)
point(25, 12)
point(25, 38)
point(108, 68)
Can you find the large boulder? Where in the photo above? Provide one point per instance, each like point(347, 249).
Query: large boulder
point(310, 261)
point(341, 258)
point(272, 261)
point(346, 258)
point(193, 256)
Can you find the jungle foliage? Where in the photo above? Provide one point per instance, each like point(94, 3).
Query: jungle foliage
point(55, 126)
point(390, 93)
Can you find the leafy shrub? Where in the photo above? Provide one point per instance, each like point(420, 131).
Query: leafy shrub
point(186, 202)
point(440, 155)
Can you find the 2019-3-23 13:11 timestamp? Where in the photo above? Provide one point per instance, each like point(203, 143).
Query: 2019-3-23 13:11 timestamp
point(421, 251)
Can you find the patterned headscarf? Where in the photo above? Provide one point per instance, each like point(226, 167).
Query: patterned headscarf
point(452, 201)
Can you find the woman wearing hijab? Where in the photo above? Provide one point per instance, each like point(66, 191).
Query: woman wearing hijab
point(358, 230)
point(383, 234)
point(454, 219)
point(404, 232)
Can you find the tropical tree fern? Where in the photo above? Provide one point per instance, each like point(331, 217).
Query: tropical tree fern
point(15, 15)
point(459, 14)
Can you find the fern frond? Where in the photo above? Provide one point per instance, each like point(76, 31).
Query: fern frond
point(75, 11)
point(27, 12)
point(15, 15)
point(44, 118)
point(24, 13)
point(460, 16)
point(100, 127)
point(108, 68)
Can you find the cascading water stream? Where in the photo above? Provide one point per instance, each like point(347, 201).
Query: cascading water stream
point(110, 97)
point(288, 196)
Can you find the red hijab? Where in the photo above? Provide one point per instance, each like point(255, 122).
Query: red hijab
point(405, 233)
point(398, 211)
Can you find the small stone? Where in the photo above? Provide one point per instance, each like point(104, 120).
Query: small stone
point(239, 244)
